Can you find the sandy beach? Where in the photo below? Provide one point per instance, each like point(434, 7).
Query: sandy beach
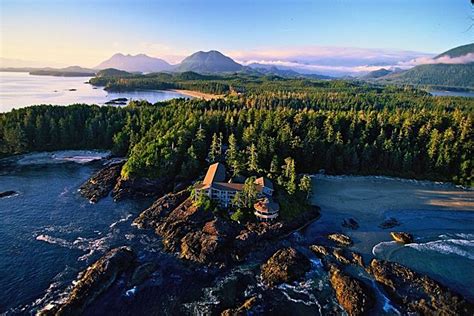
point(199, 95)
point(369, 194)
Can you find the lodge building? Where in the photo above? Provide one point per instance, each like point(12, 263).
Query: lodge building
point(215, 186)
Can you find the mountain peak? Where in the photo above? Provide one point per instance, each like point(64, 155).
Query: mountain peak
point(137, 63)
point(208, 62)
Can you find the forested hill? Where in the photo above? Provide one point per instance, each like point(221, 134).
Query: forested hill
point(458, 51)
point(442, 73)
point(399, 133)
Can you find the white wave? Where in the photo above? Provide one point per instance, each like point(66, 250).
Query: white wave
point(380, 248)
point(89, 245)
point(124, 219)
point(77, 156)
point(55, 241)
point(131, 292)
point(459, 247)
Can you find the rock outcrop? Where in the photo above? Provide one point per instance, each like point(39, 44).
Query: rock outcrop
point(403, 238)
point(101, 183)
point(139, 187)
point(320, 251)
point(284, 266)
point(341, 239)
point(350, 223)
point(353, 295)
point(211, 244)
point(150, 217)
point(417, 293)
point(7, 193)
point(203, 237)
point(334, 256)
point(96, 279)
point(389, 223)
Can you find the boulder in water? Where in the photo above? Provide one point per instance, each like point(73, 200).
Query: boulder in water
point(285, 266)
point(416, 293)
point(350, 223)
point(320, 251)
point(389, 223)
point(341, 239)
point(7, 193)
point(401, 237)
point(101, 183)
point(353, 295)
point(95, 280)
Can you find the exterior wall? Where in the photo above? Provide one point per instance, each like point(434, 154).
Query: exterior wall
point(223, 197)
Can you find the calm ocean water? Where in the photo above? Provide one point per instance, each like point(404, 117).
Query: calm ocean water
point(48, 233)
point(19, 89)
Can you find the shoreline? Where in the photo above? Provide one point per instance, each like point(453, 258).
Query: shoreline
point(198, 95)
point(375, 194)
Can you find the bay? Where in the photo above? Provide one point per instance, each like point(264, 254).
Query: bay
point(20, 89)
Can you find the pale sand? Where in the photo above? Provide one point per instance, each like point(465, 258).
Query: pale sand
point(371, 194)
point(199, 95)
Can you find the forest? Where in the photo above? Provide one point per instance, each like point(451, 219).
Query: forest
point(379, 131)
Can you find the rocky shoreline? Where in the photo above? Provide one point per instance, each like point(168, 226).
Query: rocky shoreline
point(205, 239)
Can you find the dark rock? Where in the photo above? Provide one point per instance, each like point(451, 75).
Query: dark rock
point(401, 237)
point(142, 273)
point(210, 245)
point(7, 193)
point(341, 239)
point(320, 251)
point(160, 208)
point(285, 266)
point(339, 255)
point(184, 219)
point(139, 187)
point(357, 259)
point(389, 223)
point(101, 183)
point(353, 295)
point(95, 280)
point(416, 293)
point(350, 223)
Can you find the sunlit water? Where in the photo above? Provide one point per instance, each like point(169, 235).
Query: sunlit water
point(49, 233)
point(20, 89)
point(442, 93)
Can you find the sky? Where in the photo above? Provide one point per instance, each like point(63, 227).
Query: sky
point(86, 32)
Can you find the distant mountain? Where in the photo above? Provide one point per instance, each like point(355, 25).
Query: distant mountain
point(71, 71)
point(208, 62)
point(377, 73)
point(281, 71)
point(446, 75)
point(458, 51)
point(137, 63)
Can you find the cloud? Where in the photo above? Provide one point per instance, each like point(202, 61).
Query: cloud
point(339, 61)
point(465, 59)
point(329, 60)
